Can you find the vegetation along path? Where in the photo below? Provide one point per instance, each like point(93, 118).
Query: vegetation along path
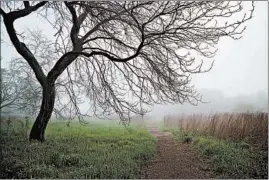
point(174, 160)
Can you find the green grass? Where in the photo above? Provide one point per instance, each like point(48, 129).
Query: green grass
point(94, 151)
point(228, 159)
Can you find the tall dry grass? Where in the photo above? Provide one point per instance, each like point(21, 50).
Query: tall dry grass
point(249, 127)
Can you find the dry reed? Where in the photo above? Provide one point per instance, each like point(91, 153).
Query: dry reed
point(248, 127)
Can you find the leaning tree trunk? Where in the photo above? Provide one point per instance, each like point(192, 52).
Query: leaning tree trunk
point(48, 99)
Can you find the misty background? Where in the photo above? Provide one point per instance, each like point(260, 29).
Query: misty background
point(237, 82)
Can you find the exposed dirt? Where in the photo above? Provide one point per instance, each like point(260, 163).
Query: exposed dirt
point(174, 160)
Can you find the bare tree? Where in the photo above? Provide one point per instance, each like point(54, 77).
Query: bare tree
point(124, 56)
point(9, 89)
point(19, 93)
point(24, 92)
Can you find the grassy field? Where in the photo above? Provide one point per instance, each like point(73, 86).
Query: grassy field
point(235, 145)
point(98, 150)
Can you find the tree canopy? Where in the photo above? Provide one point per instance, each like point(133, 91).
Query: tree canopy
point(125, 56)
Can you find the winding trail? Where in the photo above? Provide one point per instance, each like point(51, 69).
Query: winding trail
point(174, 160)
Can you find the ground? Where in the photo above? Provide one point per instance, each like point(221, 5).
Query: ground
point(174, 160)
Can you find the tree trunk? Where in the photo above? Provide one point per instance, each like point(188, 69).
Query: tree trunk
point(48, 99)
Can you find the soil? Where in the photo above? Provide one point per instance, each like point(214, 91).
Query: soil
point(174, 160)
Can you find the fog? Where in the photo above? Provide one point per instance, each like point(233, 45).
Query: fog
point(237, 82)
point(215, 101)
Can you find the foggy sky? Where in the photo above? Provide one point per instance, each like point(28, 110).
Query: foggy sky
point(240, 68)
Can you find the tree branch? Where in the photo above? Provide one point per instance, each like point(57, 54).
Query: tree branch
point(118, 59)
point(109, 56)
point(24, 12)
point(97, 26)
point(61, 65)
point(2, 12)
point(26, 4)
point(76, 26)
point(24, 51)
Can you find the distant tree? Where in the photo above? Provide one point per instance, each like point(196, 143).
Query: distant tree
point(18, 93)
point(124, 55)
point(20, 90)
point(9, 89)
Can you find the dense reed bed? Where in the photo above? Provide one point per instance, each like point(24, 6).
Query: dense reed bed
point(248, 127)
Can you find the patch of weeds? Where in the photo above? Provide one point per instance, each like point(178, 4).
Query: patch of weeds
point(95, 151)
point(228, 159)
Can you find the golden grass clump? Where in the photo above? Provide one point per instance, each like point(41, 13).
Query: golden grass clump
point(249, 127)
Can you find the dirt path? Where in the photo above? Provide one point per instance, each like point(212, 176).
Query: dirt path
point(174, 160)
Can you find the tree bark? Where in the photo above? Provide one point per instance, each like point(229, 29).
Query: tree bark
point(46, 109)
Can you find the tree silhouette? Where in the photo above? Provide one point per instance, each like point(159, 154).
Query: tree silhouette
point(115, 52)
